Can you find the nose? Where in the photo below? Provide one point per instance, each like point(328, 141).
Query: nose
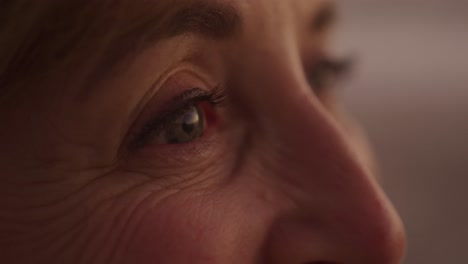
point(339, 214)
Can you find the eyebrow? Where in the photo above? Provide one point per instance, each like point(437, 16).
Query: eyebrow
point(325, 17)
point(217, 21)
point(214, 20)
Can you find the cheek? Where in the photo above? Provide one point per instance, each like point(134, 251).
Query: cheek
point(172, 236)
point(223, 227)
point(182, 231)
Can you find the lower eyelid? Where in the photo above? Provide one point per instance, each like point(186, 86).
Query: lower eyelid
point(187, 152)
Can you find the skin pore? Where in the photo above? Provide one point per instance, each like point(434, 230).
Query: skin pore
point(185, 132)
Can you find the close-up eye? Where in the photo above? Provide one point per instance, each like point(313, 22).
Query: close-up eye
point(232, 131)
point(186, 118)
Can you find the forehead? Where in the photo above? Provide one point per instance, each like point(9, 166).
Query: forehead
point(261, 13)
point(111, 29)
point(215, 18)
point(218, 19)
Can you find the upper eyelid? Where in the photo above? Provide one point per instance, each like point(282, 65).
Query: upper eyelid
point(183, 67)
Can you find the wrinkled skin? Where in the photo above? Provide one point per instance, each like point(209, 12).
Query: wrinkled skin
point(285, 176)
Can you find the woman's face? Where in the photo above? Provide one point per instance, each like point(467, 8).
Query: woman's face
point(209, 134)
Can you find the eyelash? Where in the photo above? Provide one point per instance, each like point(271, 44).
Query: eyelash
point(180, 104)
point(337, 68)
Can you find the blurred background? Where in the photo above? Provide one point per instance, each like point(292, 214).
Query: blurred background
point(410, 91)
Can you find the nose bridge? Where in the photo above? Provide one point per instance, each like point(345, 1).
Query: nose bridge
point(318, 171)
point(311, 152)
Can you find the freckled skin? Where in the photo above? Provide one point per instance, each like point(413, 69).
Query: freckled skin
point(286, 177)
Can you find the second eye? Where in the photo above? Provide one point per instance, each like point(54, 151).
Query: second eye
point(327, 71)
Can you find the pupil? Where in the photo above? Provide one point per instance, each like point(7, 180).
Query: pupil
point(188, 128)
